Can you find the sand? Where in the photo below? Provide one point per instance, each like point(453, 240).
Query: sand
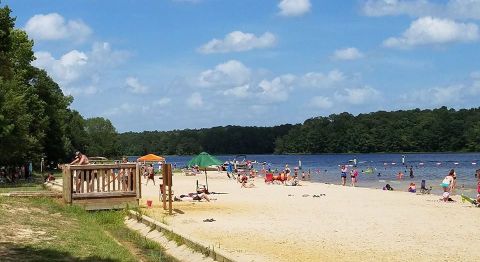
point(283, 223)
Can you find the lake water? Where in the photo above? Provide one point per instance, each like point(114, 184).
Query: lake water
point(325, 168)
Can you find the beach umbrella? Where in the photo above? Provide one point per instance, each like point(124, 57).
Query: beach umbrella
point(204, 160)
point(151, 158)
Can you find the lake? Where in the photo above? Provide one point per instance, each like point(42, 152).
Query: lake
point(432, 167)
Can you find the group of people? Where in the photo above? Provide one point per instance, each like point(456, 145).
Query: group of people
point(353, 175)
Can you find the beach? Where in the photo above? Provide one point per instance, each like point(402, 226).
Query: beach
point(287, 223)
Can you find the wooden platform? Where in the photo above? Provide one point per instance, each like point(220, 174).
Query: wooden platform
point(97, 187)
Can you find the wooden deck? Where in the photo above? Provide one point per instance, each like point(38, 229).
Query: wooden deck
point(102, 186)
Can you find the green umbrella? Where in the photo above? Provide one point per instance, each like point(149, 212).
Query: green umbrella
point(204, 160)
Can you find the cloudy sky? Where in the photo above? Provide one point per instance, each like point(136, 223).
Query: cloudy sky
point(174, 64)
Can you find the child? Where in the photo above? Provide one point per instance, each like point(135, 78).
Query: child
point(400, 175)
point(412, 188)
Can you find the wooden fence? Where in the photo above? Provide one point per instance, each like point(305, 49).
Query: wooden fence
point(107, 186)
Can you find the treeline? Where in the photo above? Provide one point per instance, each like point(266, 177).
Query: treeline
point(438, 130)
point(35, 119)
point(216, 140)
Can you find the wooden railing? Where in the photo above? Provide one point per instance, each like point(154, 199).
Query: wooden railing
point(100, 186)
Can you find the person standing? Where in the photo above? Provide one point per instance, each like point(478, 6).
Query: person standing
point(30, 169)
point(411, 172)
point(352, 177)
point(343, 170)
point(300, 164)
point(151, 174)
point(447, 185)
point(454, 184)
point(80, 159)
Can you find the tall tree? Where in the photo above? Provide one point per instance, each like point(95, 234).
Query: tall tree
point(102, 137)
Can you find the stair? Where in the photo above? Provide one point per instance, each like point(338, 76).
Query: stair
point(182, 252)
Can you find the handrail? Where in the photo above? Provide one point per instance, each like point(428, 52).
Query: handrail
point(101, 181)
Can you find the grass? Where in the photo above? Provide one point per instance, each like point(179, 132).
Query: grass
point(35, 183)
point(44, 229)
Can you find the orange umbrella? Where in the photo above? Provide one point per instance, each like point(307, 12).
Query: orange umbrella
point(151, 158)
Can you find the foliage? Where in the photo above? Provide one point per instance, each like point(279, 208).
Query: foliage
point(216, 140)
point(35, 119)
point(102, 137)
point(438, 130)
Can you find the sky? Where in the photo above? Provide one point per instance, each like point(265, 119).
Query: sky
point(176, 64)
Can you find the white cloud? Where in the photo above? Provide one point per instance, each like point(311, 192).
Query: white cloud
point(162, 101)
point(54, 27)
point(321, 80)
point(124, 108)
point(278, 89)
point(429, 30)
point(294, 7)
point(232, 73)
point(239, 91)
point(77, 72)
point(195, 100)
point(134, 86)
point(321, 102)
point(455, 9)
point(238, 41)
point(66, 69)
point(357, 96)
point(464, 94)
point(350, 53)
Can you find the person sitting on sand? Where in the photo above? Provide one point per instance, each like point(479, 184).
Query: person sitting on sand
point(243, 180)
point(446, 197)
point(293, 182)
point(388, 187)
point(412, 188)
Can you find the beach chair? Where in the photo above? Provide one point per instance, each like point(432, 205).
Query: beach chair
point(269, 178)
point(423, 188)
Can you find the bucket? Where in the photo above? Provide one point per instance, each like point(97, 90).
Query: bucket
point(149, 203)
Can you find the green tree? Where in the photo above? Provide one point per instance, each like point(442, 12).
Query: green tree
point(102, 137)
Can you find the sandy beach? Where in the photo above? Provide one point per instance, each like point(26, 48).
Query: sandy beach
point(284, 223)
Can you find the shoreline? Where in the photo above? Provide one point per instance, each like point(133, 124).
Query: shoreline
point(287, 223)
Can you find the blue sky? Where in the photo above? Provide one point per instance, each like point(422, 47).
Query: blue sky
point(174, 64)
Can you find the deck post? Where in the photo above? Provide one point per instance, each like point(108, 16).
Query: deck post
point(67, 185)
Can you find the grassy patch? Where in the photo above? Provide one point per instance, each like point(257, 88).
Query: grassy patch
point(35, 183)
point(43, 229)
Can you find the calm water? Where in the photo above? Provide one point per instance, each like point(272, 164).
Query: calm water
point(325, 168)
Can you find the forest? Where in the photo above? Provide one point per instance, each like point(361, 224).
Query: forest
point(36, 121)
